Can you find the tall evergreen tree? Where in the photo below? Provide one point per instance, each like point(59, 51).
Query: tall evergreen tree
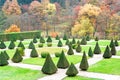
point(107, 53)
point(90, 53)
point(97, 49)
point(60, 43)
point(11, 45)
point(31, 45)
point(2, 45)
point(88, 38)
point(113, 50)
point(111, 43)
point(3, 60)
point(21, 45)
point(34, 53)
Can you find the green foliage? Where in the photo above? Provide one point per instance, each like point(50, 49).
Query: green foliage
point(78, 42)
point(21, 38)
point(3, 60)
point(90, 53)
point(83, 41)
point(6, 55)
point(21, 45)
point(107, 53)
point(49, 39)
point(49, 44)
point(74, 46)
point(67, 42)
point(34, 53)
point(73, 41)
point(113, 50)
point(60, 43)
point(49, 67)
point(42, 40)
point(78, 49)
point(70, 51)
point(2, 45)
point(97, 49)
point(72, 70)
point(111, 43)
point(88, 38)
point(40, 45)
point(31, 45)
point(62, 62)
point(17, 57)
point(21, 51)
point(57, 54)
point(84, 63)
point(65, 37)
point(44, 54)
point(34, 40)
point(11, 45)
point(38, 36)
point(57, 37)
point(96, 38)
point(116, 43)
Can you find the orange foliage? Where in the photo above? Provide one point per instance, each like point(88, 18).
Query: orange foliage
point(53, 34)
point(13, 28)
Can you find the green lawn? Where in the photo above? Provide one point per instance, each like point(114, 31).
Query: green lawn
point(40, 61)
point(108, 66)
point(15, 73)
point(80, 78)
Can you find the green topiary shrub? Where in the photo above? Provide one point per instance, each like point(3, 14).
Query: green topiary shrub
point(84, 63)
point(57, 37)
point(21, 45)
point(40, 45)
point(111, 43)
point(70, 51)
point(83, 41)
point(116, 43)
point(49, 39)
point(74, 46)
point(34, 53)
point(2, 45)
point(113, 50)
point(34, 40)
point(97, 49)
point(49, 44)
point(78, 42)
point(96, 38)
point(42, 40)
point(60, 43)
point(62, 62)
point(3, 60)
point(67, 42)
point(11, 45)
point(31, 45)
point(6, 55)
point(72, 70)
point(21, 38)
point(88, 38)
point(107, 53)
point(44, 54)
point(65, 37)
point(73, 41)
point(49, 67)
point(57, 54)
point(78, 49)
point(17, 57)
point(38, 36)
point(90, 53)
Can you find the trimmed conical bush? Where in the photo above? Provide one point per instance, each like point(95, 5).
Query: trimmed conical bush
point(3, 60)
point(60, 43)
point(49, 39)
point(11, 45)
point(57, 37)
point(34, 53)
point(90, 53)
point(107, 53)
point(97, 49)
point(42, 40)
point(6, 55)
point(65, 37)
point(21, 45)
point(88, 38)
point(49, 67)
point(116, 43)
point(21, 38)
point(62, 62)
point(72, 70)
point(84, 63)
point(96, 38)
point(70, 51)
point(73, 41)
point(78, 42)
point(67, 42)
point(83, 41)
point(34, 40)
point(2, 45)
point(78, 49)
point(31, 45)
point(111, 43)
point(113, 50)
point(17, 57)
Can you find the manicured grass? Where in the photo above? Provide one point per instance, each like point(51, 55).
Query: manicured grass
point(108, 66)
point(80, 78)
point(40, 61)
point(15, 73)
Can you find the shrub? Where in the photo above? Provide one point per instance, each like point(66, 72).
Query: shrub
point(83, 41)
point(62, 62)
point(70, 51)
point(34, 53)
point(74, 46)
point(96, 38)
point(42, 40)
point(21, 45)
point(17, 57)
point(38, 36)
point(67, 42)
point(57, 37)
point(21, 38)
point(113, 50)
point(84, 63)
point(90, 53)
point(78, 42)
point(49, 39)
point(88, 38)
point(60, 43)
point(78, 49)
point(6, 55)
point(116, 43)
point(97, 49)
point(72, 70)
point(31, 45)
point(34, 40)
point(40, 45)
point(73, 41)
point(44, 54)
point(3, 60)
point(65, 37)
point(21, 51)
point(49, 67)
point(107, 53)
point(2, 45)
point(57, 54)
point(49, 44)
point(111, 43)
point(11, 45)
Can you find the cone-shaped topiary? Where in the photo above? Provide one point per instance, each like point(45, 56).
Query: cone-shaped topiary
point(90, 53)
point(42, 40)
point(21, 38)
point(49, 39)
point(21, 51)
point(62, 62)
point(34, 40)
point(116, 43)
point(78, 49)
point(34, 53)
point(84, 63)
point(49, 67)
point(6, 55)
point(17, 57)
point(60, 43)
point(21, 45)
point(96, 38)
point(73, 41)
point(70, 51)
point(83, 41)
point(57, 37)
point(113, 50)
point(3, 60)
point(72, 70)
point(107, 53)
point(65, 37)
point(97, 49)
point(67, 42)
point(2, 45)
point(88, 38)
point(78, 42)
point(31, 45)
point(11, 45)
point(38, 36)
point(111, 43)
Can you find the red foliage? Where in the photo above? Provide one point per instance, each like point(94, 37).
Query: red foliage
point(53, 34)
